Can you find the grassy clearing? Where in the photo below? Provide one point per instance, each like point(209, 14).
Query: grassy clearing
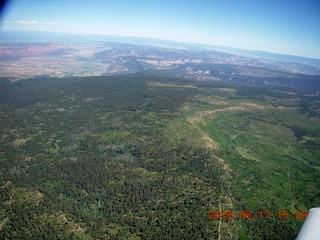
point(260, 147)
point(272, 148)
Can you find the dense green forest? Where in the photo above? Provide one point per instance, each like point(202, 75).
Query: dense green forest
point(145, 157)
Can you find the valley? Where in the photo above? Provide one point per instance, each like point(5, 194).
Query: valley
point(67, 55)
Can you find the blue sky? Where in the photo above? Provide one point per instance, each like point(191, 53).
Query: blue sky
point(282, 26)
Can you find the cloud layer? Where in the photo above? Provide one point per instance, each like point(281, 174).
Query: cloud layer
point(30, 22)
point(23, 22)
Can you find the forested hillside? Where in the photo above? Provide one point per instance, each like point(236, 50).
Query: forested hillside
point(144, 157)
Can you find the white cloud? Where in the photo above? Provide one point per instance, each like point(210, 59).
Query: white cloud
point(50, 23)
point(23, 22)
point(28, 22)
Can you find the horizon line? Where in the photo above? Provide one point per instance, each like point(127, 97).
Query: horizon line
point(252, 51)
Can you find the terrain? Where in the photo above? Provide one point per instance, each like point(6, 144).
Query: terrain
point(27, 55)
point(149, 141)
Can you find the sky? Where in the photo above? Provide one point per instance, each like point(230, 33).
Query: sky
point(281, 26)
